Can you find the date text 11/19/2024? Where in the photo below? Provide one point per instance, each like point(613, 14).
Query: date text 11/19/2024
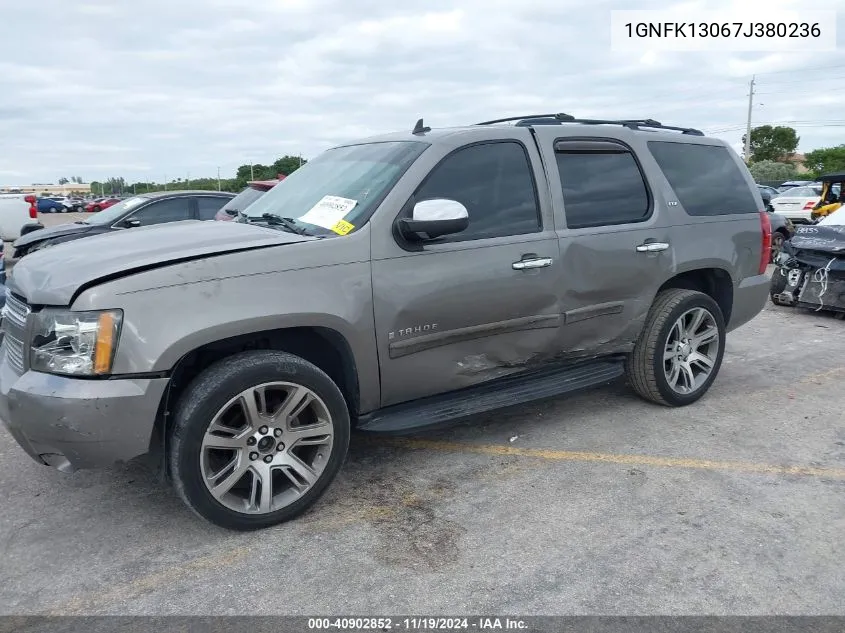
point(417, 624)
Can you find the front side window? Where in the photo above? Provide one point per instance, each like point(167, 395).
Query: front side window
point(114, 212)
point(172, 210)
point(706, 178)
point(602, 184)
point(494, 182)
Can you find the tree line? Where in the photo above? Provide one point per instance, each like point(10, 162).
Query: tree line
point(772, 153)
point(117, 185)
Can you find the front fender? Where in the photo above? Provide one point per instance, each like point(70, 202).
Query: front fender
point(163, 324)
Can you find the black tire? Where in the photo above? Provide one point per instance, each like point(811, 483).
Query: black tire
point(777, 284)
point(96, 209)
point(209, 392)
point(53, 210)
point(644, 366)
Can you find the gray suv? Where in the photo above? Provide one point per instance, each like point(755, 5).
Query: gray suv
point(390, 284)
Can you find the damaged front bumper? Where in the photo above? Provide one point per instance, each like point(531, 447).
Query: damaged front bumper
point(71, 423)
point(811, 280)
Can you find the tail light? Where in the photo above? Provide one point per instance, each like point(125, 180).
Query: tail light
point(809, 206)
point(766, 230)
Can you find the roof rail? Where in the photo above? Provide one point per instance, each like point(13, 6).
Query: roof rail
point(559, 118)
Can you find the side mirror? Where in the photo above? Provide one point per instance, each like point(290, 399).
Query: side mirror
point(131, 223)
point(431, 219)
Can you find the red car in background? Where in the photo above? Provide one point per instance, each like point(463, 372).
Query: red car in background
point(255, 189)
point(102, 203)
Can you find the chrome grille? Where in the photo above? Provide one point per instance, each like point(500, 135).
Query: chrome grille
point(15, 310)
point(15, 314)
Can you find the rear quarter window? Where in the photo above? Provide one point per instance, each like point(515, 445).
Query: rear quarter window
point(705, 178)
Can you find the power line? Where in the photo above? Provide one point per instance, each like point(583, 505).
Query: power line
point(801, 81)
point(821, 92)
point(737, 128)
point(801, 70)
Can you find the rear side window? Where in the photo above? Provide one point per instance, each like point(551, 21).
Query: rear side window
point(705, 178)
point(494, 182)
point(602, 184)
point(209, 206)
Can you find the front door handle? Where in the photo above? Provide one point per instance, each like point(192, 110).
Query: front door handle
point(536, 262)
point(652, 247)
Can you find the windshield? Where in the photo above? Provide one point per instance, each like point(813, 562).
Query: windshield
point(110, 215)
point(243, 199)
point(337, 191)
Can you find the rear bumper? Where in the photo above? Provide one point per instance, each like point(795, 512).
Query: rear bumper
point(70, 423)
point(749, 298)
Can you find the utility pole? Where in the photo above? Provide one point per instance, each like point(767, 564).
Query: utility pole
point(188, 181)
point(218, 179)
point(251, 172)
point(748, 124)
point(165, 182)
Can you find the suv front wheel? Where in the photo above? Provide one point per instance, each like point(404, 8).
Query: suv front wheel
point(257, 439)
point(680, 349)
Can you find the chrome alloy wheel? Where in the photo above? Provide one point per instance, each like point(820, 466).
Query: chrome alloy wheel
point(266, 447)
point(691, 350)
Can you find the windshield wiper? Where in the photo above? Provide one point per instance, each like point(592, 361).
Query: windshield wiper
point(288, 223)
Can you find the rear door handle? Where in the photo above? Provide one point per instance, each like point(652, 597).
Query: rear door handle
point(536, 262)
point(652, 247)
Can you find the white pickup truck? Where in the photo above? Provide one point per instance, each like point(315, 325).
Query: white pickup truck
point(15, 213)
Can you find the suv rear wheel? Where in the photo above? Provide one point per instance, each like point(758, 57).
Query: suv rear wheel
point(257, 439)
point(680, 349)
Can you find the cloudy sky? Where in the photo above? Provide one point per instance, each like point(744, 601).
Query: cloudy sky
point(140, 89)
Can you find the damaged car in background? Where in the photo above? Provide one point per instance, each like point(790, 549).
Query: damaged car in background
point(810, 269)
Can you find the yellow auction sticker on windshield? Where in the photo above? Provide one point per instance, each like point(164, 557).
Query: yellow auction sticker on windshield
point(342, 227)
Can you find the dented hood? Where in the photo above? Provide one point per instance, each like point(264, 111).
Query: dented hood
point(53, 276)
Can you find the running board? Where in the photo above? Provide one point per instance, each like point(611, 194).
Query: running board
point(489, 396)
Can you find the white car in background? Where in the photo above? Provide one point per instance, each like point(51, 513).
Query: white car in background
point(797, 203)
point(15, 213)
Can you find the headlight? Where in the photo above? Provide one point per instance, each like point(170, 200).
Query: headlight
point(75, 343)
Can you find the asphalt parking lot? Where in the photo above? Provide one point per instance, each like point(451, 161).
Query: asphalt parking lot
point(593, 504)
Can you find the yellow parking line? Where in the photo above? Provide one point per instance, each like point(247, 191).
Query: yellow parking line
point(614, 458)
point(167, 576)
